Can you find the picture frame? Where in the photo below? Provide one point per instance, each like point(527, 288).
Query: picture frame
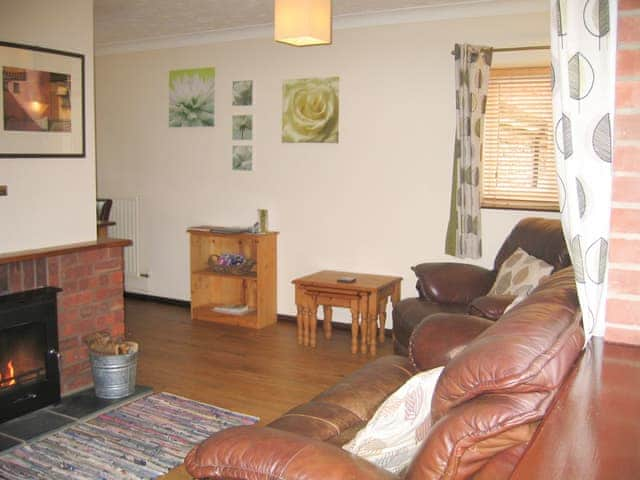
point(42, 104)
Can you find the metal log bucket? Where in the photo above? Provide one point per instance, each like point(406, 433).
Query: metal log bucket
point(114, 376)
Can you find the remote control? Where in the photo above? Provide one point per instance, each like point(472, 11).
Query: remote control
point(346, 280)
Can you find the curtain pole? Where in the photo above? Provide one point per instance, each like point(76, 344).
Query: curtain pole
point(517, 49)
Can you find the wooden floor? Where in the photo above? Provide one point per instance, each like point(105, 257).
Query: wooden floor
point(258, 372)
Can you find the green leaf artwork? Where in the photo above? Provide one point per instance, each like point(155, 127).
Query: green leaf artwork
point(596, 17)
point(191, 97)
point(582, 199)
point(596, 260)
point(310, 110)
point(242, 127)
point(242, 91)
point(242, 157)
point(602, 139)
point(564, 137)
point(576, 258)
point(561, 17)
point(581, 77)
point(562, 194)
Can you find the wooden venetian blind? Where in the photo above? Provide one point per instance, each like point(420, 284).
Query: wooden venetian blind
point(518, 159)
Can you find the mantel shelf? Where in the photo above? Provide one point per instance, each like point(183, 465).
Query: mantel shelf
point(22, 255)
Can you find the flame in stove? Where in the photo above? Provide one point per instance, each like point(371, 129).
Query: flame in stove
point(12, 380)
point(10, 376)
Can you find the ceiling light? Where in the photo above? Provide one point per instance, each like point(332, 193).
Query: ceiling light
point(302, 22)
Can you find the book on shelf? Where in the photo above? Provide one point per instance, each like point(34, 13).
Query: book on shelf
point(217, 229)
point(232, 309)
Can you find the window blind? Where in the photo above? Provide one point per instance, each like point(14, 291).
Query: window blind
point(518, 159)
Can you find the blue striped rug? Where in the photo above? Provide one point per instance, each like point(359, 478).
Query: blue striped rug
point(139, 440)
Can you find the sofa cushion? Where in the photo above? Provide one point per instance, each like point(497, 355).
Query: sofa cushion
point(395, 432)
point(540, 237)
point(520, 274)
point(408, 314)
point(459, 444)
point(490, 306)
point(452, 282)
point(492, 395)
point(530, 348)
point(349, 403)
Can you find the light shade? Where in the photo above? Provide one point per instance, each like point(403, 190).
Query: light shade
point(302, 22)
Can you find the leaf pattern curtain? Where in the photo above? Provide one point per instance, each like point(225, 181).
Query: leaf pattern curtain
point(583, 49)
point(472, 64)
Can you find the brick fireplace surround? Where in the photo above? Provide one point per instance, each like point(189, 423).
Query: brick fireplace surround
point(91, 277)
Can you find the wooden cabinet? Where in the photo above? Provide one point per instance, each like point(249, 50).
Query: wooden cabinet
point(257, 289)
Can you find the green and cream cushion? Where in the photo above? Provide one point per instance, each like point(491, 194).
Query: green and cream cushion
point(399, 426)
point(520, 274)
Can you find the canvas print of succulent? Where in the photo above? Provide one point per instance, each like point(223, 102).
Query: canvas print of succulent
point(242, 92)
point(310, 110)
point(242, 158)
point(242, 127)
point(191, 97)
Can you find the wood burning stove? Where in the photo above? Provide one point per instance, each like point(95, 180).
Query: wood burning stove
point(29, 358)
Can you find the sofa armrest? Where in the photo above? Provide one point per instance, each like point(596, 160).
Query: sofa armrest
point(252, 452)
point(453, 282)
point(490, 306)
point(441, 336)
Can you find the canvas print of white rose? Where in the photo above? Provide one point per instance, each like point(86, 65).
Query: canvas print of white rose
point(242, 92)
point(191, 97)
point(242, 158)
point(310, 110)
point(242, 127)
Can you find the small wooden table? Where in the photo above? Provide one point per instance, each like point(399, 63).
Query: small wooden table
point(366, 298)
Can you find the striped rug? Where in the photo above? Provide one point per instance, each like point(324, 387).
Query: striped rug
point(139, 440)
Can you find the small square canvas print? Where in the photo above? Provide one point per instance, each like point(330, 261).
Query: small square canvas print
point(36, 101)
point(242, 158)
point(242, 127)
point(191, 97)
point(310, 110)
point(242, 92)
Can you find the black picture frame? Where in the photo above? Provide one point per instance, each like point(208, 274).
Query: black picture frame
point(56, 141)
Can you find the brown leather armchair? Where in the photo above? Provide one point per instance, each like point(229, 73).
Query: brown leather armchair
point(462, 288)
point(499, 382)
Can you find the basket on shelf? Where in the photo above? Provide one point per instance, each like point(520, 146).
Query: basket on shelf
point(243, 266)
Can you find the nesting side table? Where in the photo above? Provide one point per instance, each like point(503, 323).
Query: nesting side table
point(366, 298)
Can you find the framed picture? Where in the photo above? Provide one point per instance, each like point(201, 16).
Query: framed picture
point(242, 92)
point(191, 97)
point(42, 102)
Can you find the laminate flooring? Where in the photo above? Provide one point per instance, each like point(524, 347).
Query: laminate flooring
point(258, 372)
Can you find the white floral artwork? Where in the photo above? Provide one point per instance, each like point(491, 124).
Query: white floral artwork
point(242, 158)
point(242, 92)
point(310, 110)
point(191, 97)
point(242, 127)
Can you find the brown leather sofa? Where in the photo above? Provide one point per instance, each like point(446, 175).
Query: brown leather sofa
point(462, 288)
point(500, 379)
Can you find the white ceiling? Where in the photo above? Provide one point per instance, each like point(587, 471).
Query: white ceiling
point(122, 21)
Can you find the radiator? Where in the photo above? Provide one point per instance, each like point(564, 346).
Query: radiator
point(125, 213)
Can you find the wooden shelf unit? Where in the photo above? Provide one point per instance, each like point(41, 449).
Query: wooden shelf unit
point(257, 290)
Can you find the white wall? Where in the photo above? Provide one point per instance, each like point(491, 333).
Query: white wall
point(376, 202)
point(51, 201)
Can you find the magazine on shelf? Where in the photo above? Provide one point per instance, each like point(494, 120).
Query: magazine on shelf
point(216, 229)
point(232, 309)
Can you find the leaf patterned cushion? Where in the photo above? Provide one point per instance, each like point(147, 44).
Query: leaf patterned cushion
point(520, 274)
point(397, 429)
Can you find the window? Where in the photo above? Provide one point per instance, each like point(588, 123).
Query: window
point(518, 158)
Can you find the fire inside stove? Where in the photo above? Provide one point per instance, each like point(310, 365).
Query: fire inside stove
point(8, 378)
point(22, 356)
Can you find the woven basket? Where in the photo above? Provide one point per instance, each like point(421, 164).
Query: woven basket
point(243, 268)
